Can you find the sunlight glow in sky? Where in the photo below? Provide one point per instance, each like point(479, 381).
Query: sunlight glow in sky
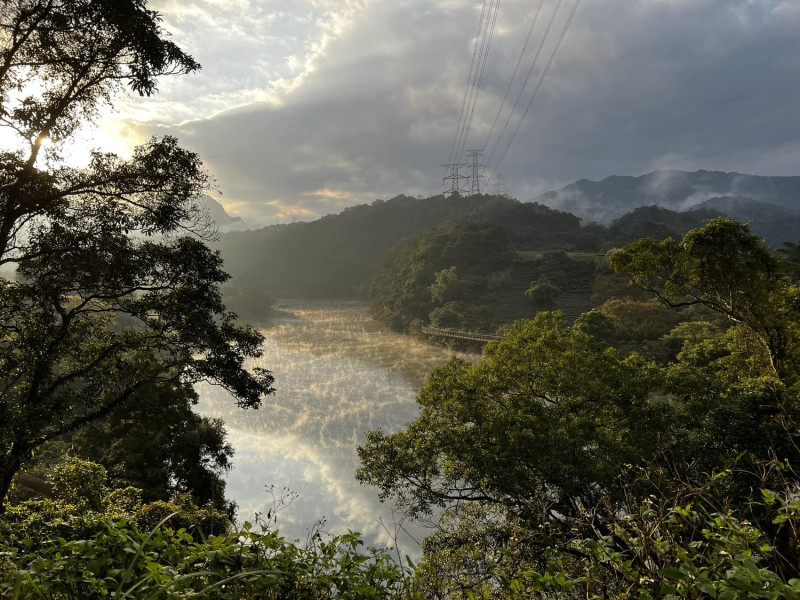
point(304, 107)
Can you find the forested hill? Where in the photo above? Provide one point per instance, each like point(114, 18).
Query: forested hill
point(603, 201)
point(337, 255)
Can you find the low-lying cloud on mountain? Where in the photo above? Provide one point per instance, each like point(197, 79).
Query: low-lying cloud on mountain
point(304, 108)
point(605, 200)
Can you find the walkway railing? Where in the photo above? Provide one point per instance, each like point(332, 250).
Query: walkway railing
point(460, 335)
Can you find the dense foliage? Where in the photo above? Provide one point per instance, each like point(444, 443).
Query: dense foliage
point(437, 277)
point(557, 453)
point(123, 549)
point(155, 442)
point(185, 452)
point(108, 298)
point(468, 276)
point(633, 452)
point(337, 256)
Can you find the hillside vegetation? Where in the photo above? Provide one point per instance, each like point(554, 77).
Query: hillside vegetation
point(567, 467)
point(388, 252)
point(467, 276)
point(644, 449)
point(337, 256)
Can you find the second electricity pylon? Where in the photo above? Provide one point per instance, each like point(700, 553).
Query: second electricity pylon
point(475, 180)
point(500, 186)
point(455, 179)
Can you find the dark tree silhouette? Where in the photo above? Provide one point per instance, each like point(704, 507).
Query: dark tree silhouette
point(113, 288)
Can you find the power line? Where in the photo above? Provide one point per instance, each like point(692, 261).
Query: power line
point(479, 81)
point(514, 74)
point(541, 80)
point(527, 78)
point(469, 80)
point(483, 40)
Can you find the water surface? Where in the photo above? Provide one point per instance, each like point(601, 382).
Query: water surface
point(338, 374)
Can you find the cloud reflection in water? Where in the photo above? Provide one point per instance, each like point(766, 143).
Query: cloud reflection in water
point(338, 375)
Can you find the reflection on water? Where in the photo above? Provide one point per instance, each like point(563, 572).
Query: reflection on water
point(338, 375)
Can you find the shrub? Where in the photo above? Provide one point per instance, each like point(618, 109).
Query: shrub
point(123, 561)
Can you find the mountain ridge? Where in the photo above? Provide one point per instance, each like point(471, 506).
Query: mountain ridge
point(336, 256)
point(218, 215)
point(604, 200)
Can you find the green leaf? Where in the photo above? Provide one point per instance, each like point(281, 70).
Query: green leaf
point(672, 573)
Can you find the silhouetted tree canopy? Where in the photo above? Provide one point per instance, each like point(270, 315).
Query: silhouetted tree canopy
point(114, 289)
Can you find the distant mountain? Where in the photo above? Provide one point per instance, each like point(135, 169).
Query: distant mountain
point(657, 223)
point(337, 255)
point(219, 215)
point(776, 224)
point(606, 200)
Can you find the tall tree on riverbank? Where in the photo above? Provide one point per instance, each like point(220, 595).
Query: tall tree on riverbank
point(108, 294)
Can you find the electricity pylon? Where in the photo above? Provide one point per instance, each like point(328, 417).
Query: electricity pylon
point(455, 179)
point(475, 180)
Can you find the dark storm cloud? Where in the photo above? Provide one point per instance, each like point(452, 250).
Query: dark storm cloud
point(636, 85)
point(700, 84)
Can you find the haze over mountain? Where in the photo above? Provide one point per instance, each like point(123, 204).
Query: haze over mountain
point(218, 214)
point(603, 201)
point(337, 256)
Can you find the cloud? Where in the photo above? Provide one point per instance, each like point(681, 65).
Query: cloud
point(332, 194)
point(251, 52)
point(363, 97)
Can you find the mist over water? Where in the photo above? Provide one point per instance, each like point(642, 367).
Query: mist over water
point(338, 374)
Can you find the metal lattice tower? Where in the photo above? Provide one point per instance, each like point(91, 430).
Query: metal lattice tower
point(455, 179)
point(475, 179)
point(500, 186)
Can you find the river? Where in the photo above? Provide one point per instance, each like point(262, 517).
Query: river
point(338, 374)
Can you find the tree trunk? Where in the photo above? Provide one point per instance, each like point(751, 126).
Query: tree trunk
point(9, 466)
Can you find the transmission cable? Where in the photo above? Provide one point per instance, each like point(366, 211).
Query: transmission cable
point(514, 74)
point(525, 83)
point(469, 81)
point(479, 81)
point(541, 80)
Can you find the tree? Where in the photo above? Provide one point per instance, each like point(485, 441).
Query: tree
point(640, 320)
point(547, 418)
point(456, 261)
point(446, 286)
point(114, 289)
point(520, 449)
point(725, 268)
point(559, 440)
point(543, 292)
point(157, 443)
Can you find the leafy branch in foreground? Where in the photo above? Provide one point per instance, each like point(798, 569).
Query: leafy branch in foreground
point(167, 561)
point(108, 296)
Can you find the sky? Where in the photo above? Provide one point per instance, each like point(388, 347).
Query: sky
point(305, 107)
